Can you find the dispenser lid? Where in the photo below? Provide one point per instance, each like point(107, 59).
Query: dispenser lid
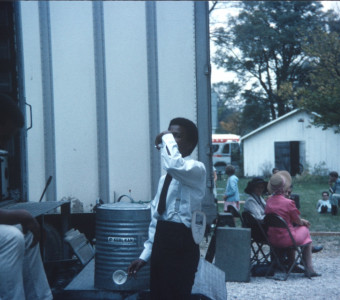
point(124, 206)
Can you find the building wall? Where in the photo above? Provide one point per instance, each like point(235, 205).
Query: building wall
point(320, 146)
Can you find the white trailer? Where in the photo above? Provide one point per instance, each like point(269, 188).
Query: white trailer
point(102, 79)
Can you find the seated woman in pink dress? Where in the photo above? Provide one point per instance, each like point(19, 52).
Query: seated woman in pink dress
point(278, 185)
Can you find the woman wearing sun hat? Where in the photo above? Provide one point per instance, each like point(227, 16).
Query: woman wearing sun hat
point(278, 185)
point(255, 204)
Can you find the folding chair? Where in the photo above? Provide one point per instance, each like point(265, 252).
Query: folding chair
point(274, 220)
point(258, 239)
point(235, 213)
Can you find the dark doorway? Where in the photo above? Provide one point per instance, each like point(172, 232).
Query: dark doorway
point(287, 157)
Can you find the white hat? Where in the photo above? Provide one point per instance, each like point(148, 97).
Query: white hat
point(279, 182)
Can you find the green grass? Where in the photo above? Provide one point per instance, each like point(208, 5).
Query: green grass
point(309, 189)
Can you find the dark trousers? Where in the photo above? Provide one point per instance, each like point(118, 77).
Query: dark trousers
point(173, 263)
point(334, 210)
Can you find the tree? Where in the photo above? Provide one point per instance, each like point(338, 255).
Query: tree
point(263, 46)
point(255, 112)
point(232, 124)
point(212, 5)
point(229, 115)
point(321, 94)
point(227, 93)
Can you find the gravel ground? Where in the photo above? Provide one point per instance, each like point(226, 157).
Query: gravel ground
point(326, 262)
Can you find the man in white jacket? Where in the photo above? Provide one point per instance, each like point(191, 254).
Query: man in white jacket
point(170, 248)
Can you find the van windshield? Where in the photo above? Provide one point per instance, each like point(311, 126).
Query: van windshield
point(226, 148)
point(215, 148)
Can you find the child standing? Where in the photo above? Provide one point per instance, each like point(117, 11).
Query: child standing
point(231, 195)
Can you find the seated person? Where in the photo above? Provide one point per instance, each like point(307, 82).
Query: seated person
point(22, 274)
point(295, 198)
point(288, 195)
point(278, 204)
point(255, 204)
point(275, 170)
point(334, 188)
point(323, 205)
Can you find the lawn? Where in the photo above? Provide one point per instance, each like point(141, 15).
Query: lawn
point(309, 189)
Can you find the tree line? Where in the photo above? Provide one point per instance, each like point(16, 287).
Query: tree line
point(285, 55)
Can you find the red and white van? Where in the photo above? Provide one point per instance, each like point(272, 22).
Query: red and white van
point(223, 145)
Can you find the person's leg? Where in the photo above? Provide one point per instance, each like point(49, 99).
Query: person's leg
point(334, 202)
point(334, 210)
point(12, 248)
point(323, 209)
point(307, 256)
point(35, 281)
point(156, 270)
point(174, 261)
point(290, 257)
point(225, 208)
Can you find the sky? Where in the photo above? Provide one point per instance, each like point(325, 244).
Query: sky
point(218, 16)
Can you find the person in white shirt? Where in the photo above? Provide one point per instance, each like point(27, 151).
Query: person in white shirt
point(324, 205)
point(22, 274)
point(172, 252)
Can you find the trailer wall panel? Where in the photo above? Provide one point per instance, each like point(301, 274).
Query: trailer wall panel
point(127, 99)
point(176, 48)
point(74, 100)
point(33, 90)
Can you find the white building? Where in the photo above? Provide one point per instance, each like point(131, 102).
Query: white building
point(291, 143)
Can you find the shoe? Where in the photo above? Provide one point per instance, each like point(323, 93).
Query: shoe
point(316, 249)
point(298, 269)
point(313, 274)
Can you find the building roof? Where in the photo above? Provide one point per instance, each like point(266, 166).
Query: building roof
point(287, 115)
